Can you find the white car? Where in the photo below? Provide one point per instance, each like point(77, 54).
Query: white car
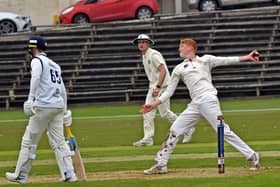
point(11, 22)
point(211, 5)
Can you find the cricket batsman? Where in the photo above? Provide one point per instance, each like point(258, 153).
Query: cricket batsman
point(195, 72)
point(159, 77)
point(46, 106)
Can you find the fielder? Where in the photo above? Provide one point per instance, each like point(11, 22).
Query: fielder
point(46, 105)
point(196, 74)
point(158, 76)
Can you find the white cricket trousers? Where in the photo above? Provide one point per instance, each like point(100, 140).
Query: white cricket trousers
point(164, 111)
point(206, 106)
point(45, 118)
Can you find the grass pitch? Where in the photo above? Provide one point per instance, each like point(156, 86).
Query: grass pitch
point(105, 135)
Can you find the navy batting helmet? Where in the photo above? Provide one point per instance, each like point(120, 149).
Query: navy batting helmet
point(37, 42)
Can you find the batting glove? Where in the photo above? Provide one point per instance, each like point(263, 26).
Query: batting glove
point(67, 119)
point(28, 108)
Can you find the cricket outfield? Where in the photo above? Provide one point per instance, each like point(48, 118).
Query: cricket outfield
point(105, 135)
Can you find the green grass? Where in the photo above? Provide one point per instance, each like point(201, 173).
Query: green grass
point(111, 137)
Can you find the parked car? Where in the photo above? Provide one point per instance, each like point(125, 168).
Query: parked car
point(211, 5)
point(86, 11)
point(11, 22)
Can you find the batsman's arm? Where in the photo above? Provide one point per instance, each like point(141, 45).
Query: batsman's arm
point(36, 71)
point(64, 94)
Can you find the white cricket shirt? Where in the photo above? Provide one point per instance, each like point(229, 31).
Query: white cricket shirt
point(196, 75)
point(46, 85)
point(152, 59)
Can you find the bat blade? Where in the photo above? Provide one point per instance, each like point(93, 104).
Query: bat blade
point(79, 165)
point(77, 159)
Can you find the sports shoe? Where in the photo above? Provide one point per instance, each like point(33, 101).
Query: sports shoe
point(255, 161)
point(156, 169)
point(14, 178)
point(143, 143)
point(71, 179)
point(187, 137)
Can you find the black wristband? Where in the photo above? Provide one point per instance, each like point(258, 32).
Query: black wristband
point(158, 86)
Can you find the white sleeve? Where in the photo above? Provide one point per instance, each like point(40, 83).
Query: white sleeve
point(36, 71)
point(157, 60)
point(174, 80)
point(220, 61)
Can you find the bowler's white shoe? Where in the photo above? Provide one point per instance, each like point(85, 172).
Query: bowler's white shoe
point(255, 161)
point(14, 178)
point(143, 142)
point(187, 137)
point(156, 169)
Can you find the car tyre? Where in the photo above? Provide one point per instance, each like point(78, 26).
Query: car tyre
point(208, 5)
point(80, 19)
point(144, 13)
point(7, 26)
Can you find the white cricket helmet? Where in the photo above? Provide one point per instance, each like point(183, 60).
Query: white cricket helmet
point(143, 37)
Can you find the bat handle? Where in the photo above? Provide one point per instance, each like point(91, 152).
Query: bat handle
point(68, 132)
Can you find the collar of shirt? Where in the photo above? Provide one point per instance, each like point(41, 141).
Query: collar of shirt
point(192, 62)
point(147, 52)
point(195, 59)
point(43, 54)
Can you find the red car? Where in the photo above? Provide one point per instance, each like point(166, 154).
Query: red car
point(86, 11)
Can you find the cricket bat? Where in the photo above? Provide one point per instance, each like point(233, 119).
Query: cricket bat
point(77, 159)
